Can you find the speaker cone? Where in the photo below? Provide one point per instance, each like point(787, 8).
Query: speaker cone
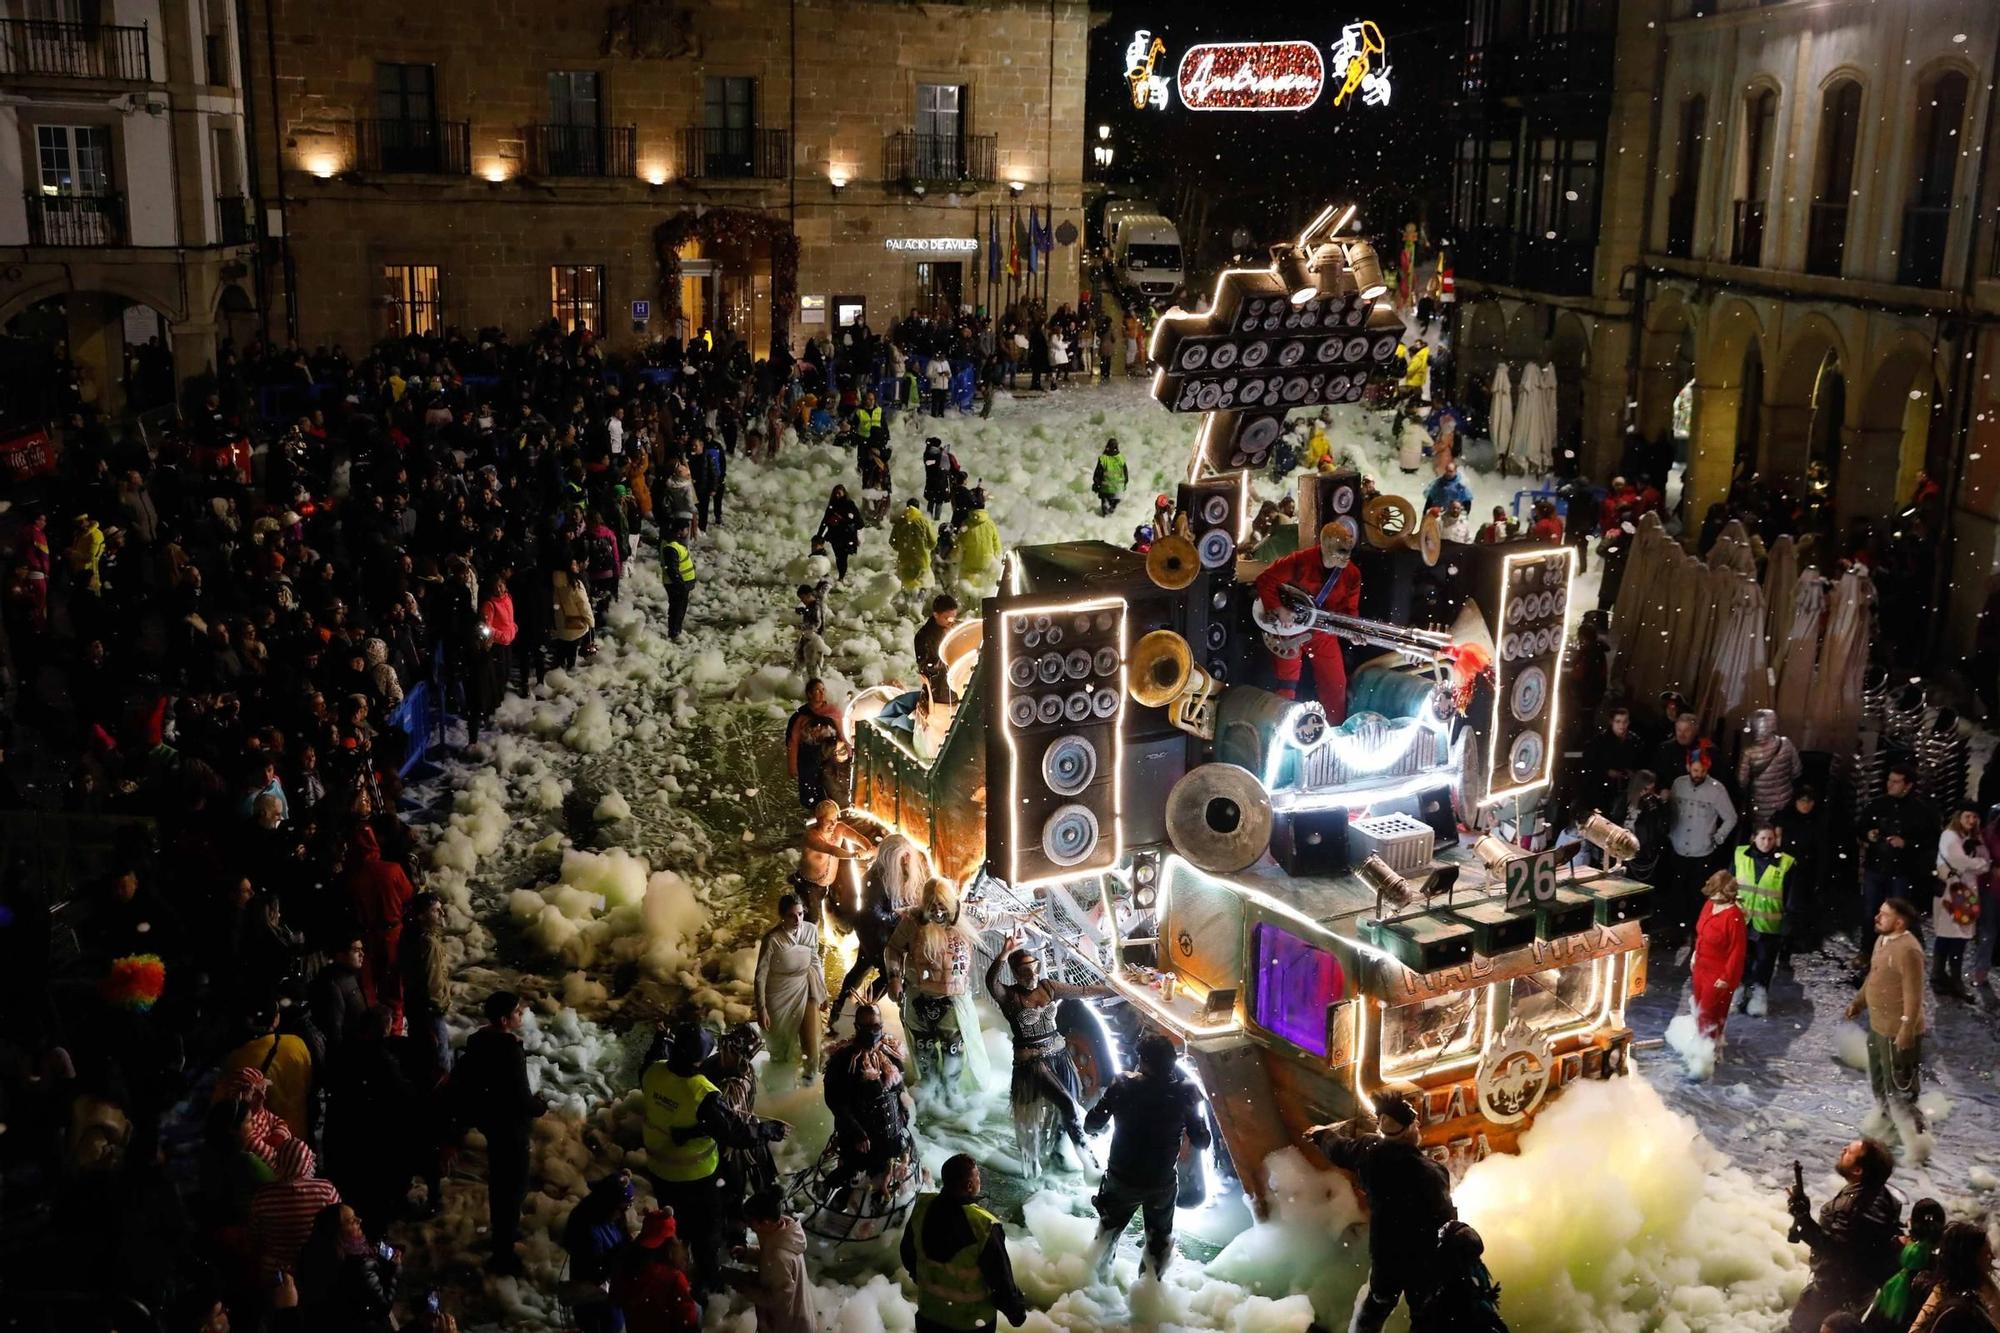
point(1215, 548)
point(1069, 835)
point(1069, 765)
point(1219, 818)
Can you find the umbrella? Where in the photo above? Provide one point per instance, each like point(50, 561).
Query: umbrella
point(1796, 656)
point(1500, 419)
point(1521, 439)
point(1781, 576)
point(1737, 678)
point(1542, 448)
point(1833, 702)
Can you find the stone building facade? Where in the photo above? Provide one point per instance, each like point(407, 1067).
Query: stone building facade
point(1820, 284)
point(457, 165)
point(125, 207)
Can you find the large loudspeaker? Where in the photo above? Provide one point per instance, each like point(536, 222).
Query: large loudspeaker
point(1531, 598)
point(1214, 510)
point(1325, 496)
point(1201, 930)
point(1058, 702)
point(1312, 843)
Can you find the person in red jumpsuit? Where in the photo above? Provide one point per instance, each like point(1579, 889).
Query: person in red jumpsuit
point(1721, 937)
point(1327, 574)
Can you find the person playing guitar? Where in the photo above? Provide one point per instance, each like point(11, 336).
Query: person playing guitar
point(1326, 576)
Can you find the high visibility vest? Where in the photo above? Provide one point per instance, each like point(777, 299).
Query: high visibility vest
point(1114, 473)
point(867, 420)
point(683, 560)
point(671, 1103)
point(1762, 896)
point(952, 1291)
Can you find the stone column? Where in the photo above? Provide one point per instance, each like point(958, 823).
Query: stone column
point(97, 347)
point(1865, 486)
point(1786, 446)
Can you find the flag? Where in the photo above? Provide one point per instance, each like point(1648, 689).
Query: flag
point(1034, 232)
point(1013, 241)
point(1046, 241)
point(993, 245)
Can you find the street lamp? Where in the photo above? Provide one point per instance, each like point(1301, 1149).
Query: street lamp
point(1103, 132)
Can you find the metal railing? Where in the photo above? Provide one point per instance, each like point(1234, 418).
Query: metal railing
point(239, 225)
point(744, 153)
point(581, 150)
point(76, 219)
point(942, 157)
point(1680, 225)
point(1746, 240)
point(1826, 237)
point(75, 50)
point(413, 147)
point(1920, 260)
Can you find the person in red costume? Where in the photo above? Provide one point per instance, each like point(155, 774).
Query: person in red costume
point(1327, 574)
point(1721, 937)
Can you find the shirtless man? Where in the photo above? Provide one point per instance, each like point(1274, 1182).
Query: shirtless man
point(828, 842)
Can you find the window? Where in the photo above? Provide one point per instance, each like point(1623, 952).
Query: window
point(1760, 129)
point(1296, 983)
point(1839, 137)
point(1687, 177)
point(729, 119)
point(1940, 115)
point(941, 130)
point(415, 298)
point(1485, 182)
point(1561, 997)
point(1562, 204)
point(406, 93)
point(573, 98)
point(74, 159)
point(1417, 1036)
point(576, 297)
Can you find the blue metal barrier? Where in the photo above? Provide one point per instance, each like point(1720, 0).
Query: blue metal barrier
point(964, 387)
point(660, 375)
point(421, 717)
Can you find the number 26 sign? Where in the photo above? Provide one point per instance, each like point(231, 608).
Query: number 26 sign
point(1531, 881)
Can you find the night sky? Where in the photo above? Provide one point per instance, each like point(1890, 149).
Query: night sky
point(1269, 172)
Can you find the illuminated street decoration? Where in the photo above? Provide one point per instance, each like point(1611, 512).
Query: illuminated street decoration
point(1530, 644)
point(1148, 88)
point(1360, 61)
point(1251, 76)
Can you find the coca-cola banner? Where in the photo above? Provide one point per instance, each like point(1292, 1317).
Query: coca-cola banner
point(25, 457)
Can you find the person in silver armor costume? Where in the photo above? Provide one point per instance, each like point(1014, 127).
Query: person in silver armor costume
point(1045, 1086)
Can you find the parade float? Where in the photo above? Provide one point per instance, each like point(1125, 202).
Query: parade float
point(1318, 899)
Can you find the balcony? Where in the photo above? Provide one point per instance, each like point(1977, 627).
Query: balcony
point(1746, 240)
point(239, 225)
point(414, 147)
point(76, 219)
point(1826, 237)
point(1504, 258)
point(735, 154)
point(1680, 225)
point(581, 150)
point(1920, 261)
point(942, 159)
point(34, 47)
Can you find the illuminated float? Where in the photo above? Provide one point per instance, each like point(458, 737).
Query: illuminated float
point(1290, 897)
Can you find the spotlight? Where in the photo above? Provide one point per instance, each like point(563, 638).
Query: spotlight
point(1294, 272)
point(1329, 269)
point(1366, 268)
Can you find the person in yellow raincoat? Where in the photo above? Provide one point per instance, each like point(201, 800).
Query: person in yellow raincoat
point(913, 537)
point(979, 549)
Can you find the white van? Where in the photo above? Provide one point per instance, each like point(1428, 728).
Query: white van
point(1145, 248)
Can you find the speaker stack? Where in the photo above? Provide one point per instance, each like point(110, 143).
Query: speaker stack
point(1214, 510)
point(1054, 777)
point(1529, 641)
point(1325, 496)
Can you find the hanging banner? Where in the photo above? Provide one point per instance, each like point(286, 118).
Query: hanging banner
point(1251, 76)
point(26, 457)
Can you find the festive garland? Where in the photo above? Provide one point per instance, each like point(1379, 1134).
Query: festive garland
point(732, 226)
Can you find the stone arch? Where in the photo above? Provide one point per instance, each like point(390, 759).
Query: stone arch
point(1569, 353)
point(1667, 351)
point(1807, 402)
point(165, 301)
point(1525, 338)
point(1729, 372)
point(1896, 428)
point(1481, 341)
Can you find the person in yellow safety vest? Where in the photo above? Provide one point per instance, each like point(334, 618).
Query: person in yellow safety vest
point(677, 570)
point(957, 1253)
point(1760, 890)
point(867, 417)
point(687, 1125)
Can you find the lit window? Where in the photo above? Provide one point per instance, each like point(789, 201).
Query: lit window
point(576, 297)
point(415, 299)
point(1296, 982)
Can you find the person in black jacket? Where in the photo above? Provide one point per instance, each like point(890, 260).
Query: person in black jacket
point(346, 1283)
point(1854, 1240)
point(490, 1089)
point(930, 663)
point(840, 528)
point(1802, 833)
point(1155, 1109)
point(1610, 759)
point(371, 1107)
point(1409, 1202)
point(1899, 835)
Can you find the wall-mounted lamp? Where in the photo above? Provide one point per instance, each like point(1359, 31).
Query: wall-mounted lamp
point(656, 175)
point(1103, 131)
point(837, 181)
point(1102, 154)
point(323, 165)
point(1015, 187)
point(494, 172)
point(916, 187)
